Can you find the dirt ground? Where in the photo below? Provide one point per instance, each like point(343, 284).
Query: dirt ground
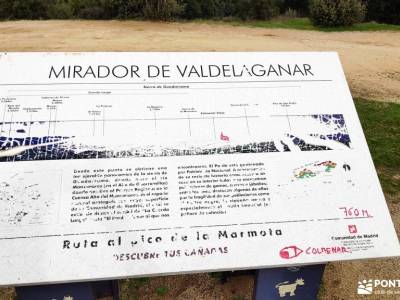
point(372, 65)
point(371, 59)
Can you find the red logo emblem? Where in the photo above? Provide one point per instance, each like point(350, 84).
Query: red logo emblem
point(224, 137)
point(352, 228)
point(290, 252)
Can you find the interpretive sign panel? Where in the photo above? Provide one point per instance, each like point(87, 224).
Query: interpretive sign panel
point(133, 164)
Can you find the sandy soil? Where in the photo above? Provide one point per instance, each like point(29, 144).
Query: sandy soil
point(371, 59)
point(372, 66)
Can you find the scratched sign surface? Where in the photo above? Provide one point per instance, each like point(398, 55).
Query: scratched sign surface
point(136, 164)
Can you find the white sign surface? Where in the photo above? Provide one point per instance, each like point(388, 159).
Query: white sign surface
point(137, 164)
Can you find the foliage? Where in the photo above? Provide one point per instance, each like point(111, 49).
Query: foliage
point(299, 6)
point(130, 287)
point(217, 275)
point(148, 9)
point(161, 291)
point(5, 9)
point(387, 11)
point(160, 9)
point(60, 9)
point(305, 24)
point(89, 9)
point(290, 14)
point(337, 12)
point(192, 9)
point(24, 9)
point(264, 9)
point(322, 12)
point(257, 9)
point(238, 298)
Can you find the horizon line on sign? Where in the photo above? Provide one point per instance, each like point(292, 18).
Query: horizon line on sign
point(179, 82)
point(141, 89)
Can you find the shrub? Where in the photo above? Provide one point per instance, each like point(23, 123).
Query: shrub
point(160, 9)
point(332, 13)
point(290, 14)
point(243, 9)
point(299, 6)
point(257, 9)
point(5, 9)
point(61, 9)
point(227, 8)
point(161, 291)
point(387, 11)
point(148, 9)
point(264, 9)
point(93, 13)
point(93, 9)
point(192, 9)
point(126, 9)
point(24, 9)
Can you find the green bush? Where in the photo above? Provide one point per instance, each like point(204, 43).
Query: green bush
point(322, 12)
point(92, 13)
point(94, 9)
point(299, 6)
point(125, 9)
point(386, 11)
point(192, 9)
point(160, 9)
point(147, 9)
point(5, 8)
point(161, 291)
point(24, 9)
point(257, 9)
point(61, 9)
point(264, 9)
point(332, 13)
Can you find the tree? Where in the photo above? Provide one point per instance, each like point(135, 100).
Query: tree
point(387, 11)
point(160, 9)
point(300, 6)
point(264, 9)
point(192, 9)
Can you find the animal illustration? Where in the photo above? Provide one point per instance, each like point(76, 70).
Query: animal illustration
point(329, 165)
point(288, 288)
point(306, 173)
